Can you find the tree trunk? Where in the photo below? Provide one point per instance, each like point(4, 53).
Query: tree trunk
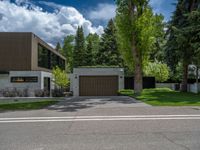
point(138, 83)
point(185, 77)
point(197, 75)
point(197, 78)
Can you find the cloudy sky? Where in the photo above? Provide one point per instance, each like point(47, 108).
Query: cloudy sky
point(52, 20)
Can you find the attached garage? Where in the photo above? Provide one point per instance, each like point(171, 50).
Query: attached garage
point(97, 81)
point(98, 85)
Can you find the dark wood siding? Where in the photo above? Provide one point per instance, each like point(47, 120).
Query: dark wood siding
point(98, 85)
point(15, 51)
point(19, 52)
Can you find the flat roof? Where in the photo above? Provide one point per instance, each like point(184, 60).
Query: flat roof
point(41, 41)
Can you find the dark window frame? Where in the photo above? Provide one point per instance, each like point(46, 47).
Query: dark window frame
point(24, 79)
point(53, 60)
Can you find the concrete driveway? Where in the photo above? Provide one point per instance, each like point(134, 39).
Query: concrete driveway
point(78, 103)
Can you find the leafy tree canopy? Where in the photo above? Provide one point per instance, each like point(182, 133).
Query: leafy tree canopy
point(61, 78)
point(137, 29)
point(158, 70)
point(67, 51)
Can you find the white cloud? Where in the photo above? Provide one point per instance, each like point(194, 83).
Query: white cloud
point(50, 4)
point(51, 27)
point(103, 12)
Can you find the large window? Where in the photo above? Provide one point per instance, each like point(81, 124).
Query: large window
point(48, 59)
point(43, 57)
point(61, 63)
point(54, 60)
point(24, 79)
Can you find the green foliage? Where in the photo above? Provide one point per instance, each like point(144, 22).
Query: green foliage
point(88, 54)
point(157, 52)
point(193, 30)
point(176, 75)
point(92, 42)
point(165, 97)
point(158, 70)
point(183, 37)
point(108, 51)
point(61, 78)
point(137, 29)
point(127, 92)
point(124, 32)
point(99, 66)
point(143, 26)
point(27, 105)
point(58, 47)
point(67, 51)
point(79, 48)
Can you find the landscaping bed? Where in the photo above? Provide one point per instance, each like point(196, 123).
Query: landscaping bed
point(165, 97)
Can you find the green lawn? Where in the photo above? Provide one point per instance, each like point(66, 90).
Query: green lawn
point(27, 105)
point(165, 97)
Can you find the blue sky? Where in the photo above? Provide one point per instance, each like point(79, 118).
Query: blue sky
point(166, 7)
point(53, 20)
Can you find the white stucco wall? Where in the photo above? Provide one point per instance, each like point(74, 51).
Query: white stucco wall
point(6, 83)
point(71, 81)
point(95, 72)
point(194, 88)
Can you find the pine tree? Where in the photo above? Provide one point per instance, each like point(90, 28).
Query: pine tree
point(108, 51)
point(79, 48)
point(58, 47)
point(67, 51)
point(93, 40)
point(180, 44)
point(88, 54)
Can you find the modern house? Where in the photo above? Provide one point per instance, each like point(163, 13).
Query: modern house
point(26, 62)
point(97, 81)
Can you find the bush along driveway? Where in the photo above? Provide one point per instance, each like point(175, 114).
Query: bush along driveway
point(165, 97)
point(28, 104)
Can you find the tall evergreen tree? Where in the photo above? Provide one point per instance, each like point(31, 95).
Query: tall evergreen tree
point(58, 47)
point(93, 40)
point(79, 48)
point(179, 45)
point(88, 54)
point(67, 51)
point(108, 51)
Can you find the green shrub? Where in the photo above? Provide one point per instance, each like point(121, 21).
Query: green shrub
point(127, 92)
point(158, 70)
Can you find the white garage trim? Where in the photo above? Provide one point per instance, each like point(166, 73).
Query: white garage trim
point(96, 72)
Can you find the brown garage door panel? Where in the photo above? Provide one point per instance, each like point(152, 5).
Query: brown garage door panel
point(98, 85)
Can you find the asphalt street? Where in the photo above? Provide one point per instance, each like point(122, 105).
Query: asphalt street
point(111, 123)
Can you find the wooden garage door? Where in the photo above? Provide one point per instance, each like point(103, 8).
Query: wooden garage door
point(98, 85)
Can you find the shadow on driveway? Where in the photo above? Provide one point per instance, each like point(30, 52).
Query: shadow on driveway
point(78, 103)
